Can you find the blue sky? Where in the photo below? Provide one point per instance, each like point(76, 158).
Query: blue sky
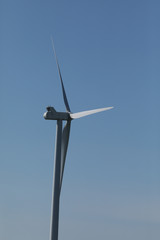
point(109, 55)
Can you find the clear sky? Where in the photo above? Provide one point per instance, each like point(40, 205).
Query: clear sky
point(109, 54)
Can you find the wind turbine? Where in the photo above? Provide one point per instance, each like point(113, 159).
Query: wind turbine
point(61, 145)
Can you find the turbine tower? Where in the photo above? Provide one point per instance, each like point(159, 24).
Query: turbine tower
point(61, 145)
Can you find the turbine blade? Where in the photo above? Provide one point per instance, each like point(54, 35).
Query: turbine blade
point(63, 89)
point(86, 113)
point(64, 147)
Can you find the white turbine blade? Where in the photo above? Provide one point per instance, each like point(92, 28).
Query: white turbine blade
point(60, 75)
point(64, 147)
point(86, 113)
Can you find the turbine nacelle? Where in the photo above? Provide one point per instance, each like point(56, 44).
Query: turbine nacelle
point(52, 114)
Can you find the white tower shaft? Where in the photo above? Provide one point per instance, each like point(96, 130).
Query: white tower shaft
point(56, 184)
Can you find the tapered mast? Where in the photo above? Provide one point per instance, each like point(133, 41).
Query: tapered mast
point(56, 183)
